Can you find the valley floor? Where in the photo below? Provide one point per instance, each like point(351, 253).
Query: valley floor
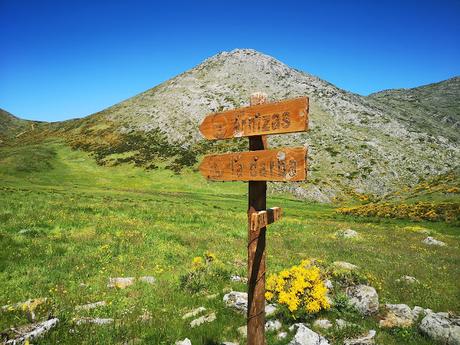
point(68, 225)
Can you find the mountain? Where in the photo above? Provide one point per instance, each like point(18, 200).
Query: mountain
point(10, 125)
point(358, 146)
point(433, 108)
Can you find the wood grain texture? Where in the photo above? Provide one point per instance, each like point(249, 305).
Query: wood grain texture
point(287, 116)
point(263, 218)
point(257, 201)
point(284, 164)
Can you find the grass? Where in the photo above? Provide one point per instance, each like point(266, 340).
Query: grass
point(84, 223)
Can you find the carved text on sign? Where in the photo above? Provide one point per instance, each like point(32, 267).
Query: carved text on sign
point(287, 164)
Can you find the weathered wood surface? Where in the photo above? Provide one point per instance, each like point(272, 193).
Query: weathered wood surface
point(257, 201)
point(263, 218)
point(284, 164)
point(286, 116)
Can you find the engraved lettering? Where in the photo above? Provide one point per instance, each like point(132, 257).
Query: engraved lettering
point(282, 168)
point(275, 121)
point(292, 168)
point(286, 120)
point(266, 125)
point(253, 169)
point(263, 170)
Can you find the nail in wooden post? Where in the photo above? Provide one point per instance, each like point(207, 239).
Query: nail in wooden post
point(257, 201)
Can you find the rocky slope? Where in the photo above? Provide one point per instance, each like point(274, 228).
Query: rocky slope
point(357, 145)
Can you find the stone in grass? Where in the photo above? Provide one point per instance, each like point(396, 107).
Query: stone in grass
point(344, 265)
point(31, 332)
point(281, 335)
point(120, 282)
point(322, 323)
point(433, 242)
point(407, 279)
point(272, 325)
point(305, 336)
point(90, 306)
point(348, 233)
point(203, 319)
point(442, 327)
point(148, 279)
point(186, 341)
point(368, 339)
point(237, 278)
point(194, 312)
point(92, 321)
point(239, 301)
point(270, 309)
point(364, 298)
point(229, 343)
point(397, 315)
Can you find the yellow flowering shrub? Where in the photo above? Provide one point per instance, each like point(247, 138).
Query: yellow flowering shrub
point(417, 211)
point(300, 288)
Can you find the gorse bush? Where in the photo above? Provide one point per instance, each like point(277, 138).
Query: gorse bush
point(301, 289)
point(447, 211)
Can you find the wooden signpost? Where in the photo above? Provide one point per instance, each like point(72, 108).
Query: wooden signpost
point(257, 166)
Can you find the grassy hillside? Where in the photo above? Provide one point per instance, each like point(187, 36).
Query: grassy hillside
point(68, 224)
point(433, 108)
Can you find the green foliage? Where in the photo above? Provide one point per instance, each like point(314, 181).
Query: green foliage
point(204, 274)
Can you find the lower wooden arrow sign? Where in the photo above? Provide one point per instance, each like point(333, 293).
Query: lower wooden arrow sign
point(262, 218)
point(285, 164)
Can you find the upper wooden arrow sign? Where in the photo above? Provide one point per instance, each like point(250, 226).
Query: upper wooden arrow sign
point(285, 164)
point(287, 116)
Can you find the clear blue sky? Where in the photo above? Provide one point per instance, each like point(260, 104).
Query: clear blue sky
point(64, 59)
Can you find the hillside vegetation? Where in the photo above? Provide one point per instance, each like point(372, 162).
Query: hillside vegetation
point(67, 225)
point(358, 146)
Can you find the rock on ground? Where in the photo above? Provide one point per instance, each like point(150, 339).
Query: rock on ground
point(33, 332)
point(236, 278)
point(407, 279)
point(368, 339)
point(441, 327)
point(281, 335)
point(270, 309)
point(348, 233)
point(120, 282)
point(397, 315)
point(229, 343)
point(148, 279)
point(344, 265)
point(364, 298)
point(239, 301)
point(186, 341)
point(91, 320)
point(194, 312)
point(433, 242)
point(272, 325)
point(305, 336)
point(28, 307)
point(322, 323)
point(90, 306)
point(203, 319)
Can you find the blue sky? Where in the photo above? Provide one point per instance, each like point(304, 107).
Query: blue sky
point(65, 59)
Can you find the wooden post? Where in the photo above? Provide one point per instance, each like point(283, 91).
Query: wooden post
point(257, 201)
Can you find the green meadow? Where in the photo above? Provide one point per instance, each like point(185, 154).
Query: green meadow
point(67, 225)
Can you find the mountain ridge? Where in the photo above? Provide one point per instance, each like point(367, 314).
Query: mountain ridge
point(358, 145)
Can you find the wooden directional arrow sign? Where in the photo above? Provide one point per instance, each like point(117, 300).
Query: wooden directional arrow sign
point(263, 218)
point(285, 164)
point(287, 116)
